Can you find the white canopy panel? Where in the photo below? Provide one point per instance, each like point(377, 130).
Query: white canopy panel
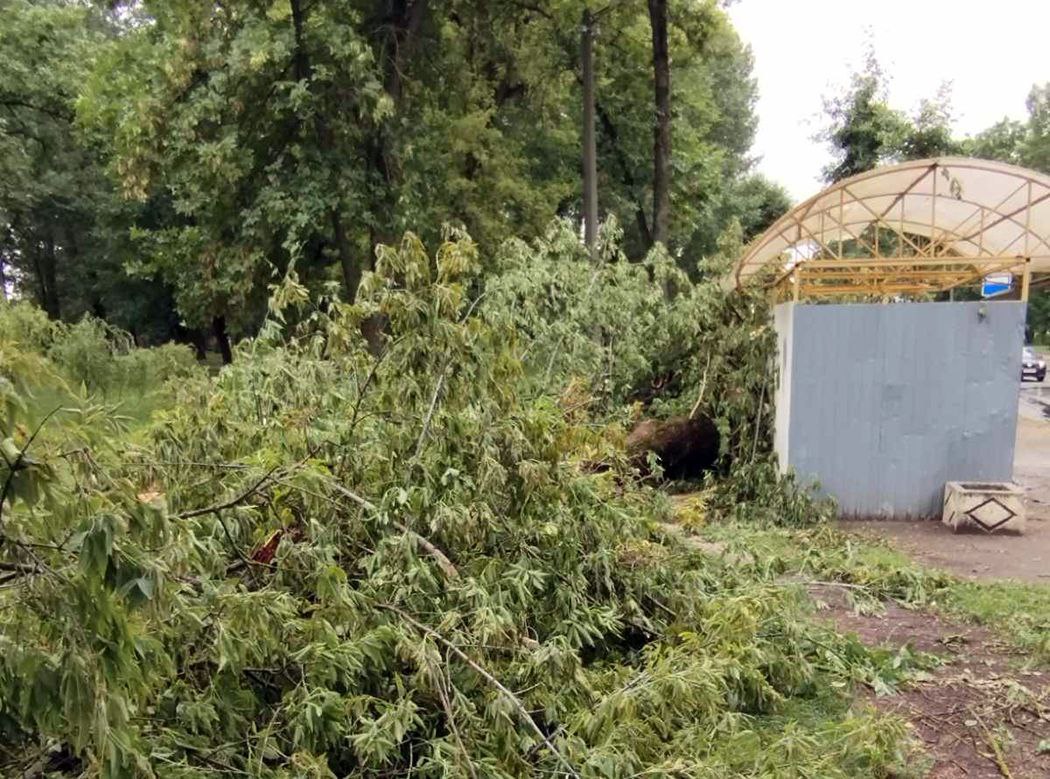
point(958, 207)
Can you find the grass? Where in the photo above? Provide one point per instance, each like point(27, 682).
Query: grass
point(1019, 611)
point(134, 407)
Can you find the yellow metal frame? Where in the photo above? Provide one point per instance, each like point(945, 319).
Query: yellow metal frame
point(878, 277)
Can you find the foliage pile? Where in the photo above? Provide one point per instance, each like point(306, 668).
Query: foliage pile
point(626, 338)
point(331, 561)
point(639, 332)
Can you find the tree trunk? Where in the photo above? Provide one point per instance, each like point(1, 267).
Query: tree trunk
point(628, 176)
point(49, 279)
point(396, 43)
point(351, 267)
point(222, 339)
point(195, 338)
point(407, 20)
point(662, 127)
point(300, 59)
point(590, 146)
point(8, 245)
point(687, 447)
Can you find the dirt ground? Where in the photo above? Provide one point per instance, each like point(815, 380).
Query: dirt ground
point(998, 556)
point(979, 714)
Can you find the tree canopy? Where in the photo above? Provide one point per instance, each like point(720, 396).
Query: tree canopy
point(165, 162)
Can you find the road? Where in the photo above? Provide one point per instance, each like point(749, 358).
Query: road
point(1032, 453)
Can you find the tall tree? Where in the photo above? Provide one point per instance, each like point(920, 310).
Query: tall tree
point(863, 131)
point(930, 132)
point(252, 120)
point(63, 231)
point(44, 174)
point(712, 93)
point(661, 122)
point(1025, 143)
point(590, 144)
point(253, 140)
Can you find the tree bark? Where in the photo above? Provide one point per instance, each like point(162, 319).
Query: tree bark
point(301, 61)
point(222, 339)
point(350, 266)
point(49, 279)
point(590, 145)
point(408, 18)
point(399, 35)
point(662, 126)
point(687, 447)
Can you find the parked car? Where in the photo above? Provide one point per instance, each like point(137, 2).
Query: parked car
point(1032, 365)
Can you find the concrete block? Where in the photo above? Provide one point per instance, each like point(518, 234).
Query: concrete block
point(988, 506)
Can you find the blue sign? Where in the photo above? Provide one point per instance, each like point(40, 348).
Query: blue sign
point(997, 284)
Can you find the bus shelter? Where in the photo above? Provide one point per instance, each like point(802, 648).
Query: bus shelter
point(895, 374)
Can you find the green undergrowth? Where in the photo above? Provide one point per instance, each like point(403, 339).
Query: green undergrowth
point(875, 571)
point(68, 369)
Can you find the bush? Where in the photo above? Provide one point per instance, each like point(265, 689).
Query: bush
point(86, 352)
point(104, 359)
point(26, 326)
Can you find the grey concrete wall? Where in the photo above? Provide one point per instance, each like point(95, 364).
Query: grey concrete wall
point(884, 403)
point(783, 318)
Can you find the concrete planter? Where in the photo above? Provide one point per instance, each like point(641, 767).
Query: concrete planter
point(988, 506)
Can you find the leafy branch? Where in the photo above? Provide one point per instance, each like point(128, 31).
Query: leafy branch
point(513, 699)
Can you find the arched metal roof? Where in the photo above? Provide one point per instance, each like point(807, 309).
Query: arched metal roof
point(941, 222)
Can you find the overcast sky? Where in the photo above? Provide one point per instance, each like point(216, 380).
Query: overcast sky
point(991, 52)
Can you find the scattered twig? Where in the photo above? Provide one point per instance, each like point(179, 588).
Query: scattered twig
point(18, 568)
point(244, 560)
point(703, 387)
point(372, 373)
point(234, 501)
point(845, 585)
point(511, 697)
point(446, 704)
point(997, 750)
point(185, 464)
point(258, 485)
point(439, 386)
point(421, 442)
point(438, 556)
point(758, 419)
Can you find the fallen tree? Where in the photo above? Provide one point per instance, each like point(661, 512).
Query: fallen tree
point(333, 561)
point(684, 447)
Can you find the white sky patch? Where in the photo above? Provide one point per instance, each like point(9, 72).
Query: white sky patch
point(991, 53)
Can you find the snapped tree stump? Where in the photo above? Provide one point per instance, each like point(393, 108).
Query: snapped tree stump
point(686, 447)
